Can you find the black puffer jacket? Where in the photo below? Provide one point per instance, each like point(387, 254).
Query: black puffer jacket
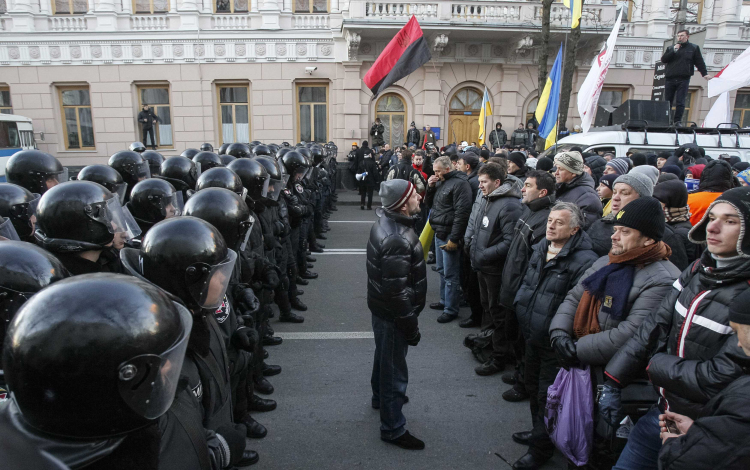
point(529, 230)
point(597, 165)
point(681, 64)
point(546, 284)
point(684, 344)
point(520, 137)
point(450, 201)
point(720, 438)
point(581, 192)
point(493, 228)
point(473, 178)
point(693, 251)
point(396, 271)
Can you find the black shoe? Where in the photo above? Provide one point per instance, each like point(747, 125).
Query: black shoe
point(510, 378)
point(317, 249)
point(302, 282)
point(489, 368)
point(333, 208)
point(376, 405)
point(249, 457)
point(434, 268)
point(310, 259)
point(362, 207)
point(261, 404)
point(297, 304)
point(514, 395)
point(299, 292)
point(268, 330)
point(407, 441)
point(446, 318)
point(272, 340)
point(431, 258)
point(529, 462)
point(270, 370)
point(255, 430)
point(291, 318)
point(308, 275)
point(437, 306)
point(310, 265)
point(320, 236)
point(468, 323)
point(523, 437)
point(262, 385)
point(265, 354)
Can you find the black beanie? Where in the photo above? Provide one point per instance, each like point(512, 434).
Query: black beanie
point(739, 198)
point(518, 158)
point(672, 193)
point(638, 159)
point(739, 312)
point(645, 215)
point(545, 164)
point(609, 180)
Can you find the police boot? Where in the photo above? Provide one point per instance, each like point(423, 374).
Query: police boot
point(249, 457)
point(267, 327)
point(255, 430)
point(308, 275)
point(270, 340)
point(297, 303)
point(270, 370)
point(291, 318)
point(320, 236)
point(262, 385)
point(302, 282)
point(310, 259)
point(317, 248)
point(299, 292)
point(309, 265)
point(261, 404)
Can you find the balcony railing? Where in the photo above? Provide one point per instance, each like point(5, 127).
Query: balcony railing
point(311, 22)
point(401, 10)
point(149, 23)
point(485, 13)
point(229, 22)
point(67, 23)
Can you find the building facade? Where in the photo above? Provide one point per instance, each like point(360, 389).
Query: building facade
point(288, 70)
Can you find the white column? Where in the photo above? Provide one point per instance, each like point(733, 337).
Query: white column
point(334, 6)
point(253, 5)
point(127, 6)
point(45, 7)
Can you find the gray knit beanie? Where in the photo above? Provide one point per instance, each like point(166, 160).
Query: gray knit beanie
point(639, 182)
point(571, 161)
point(651, 171)
point(394, 193)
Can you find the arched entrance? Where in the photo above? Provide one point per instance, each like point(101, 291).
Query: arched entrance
point(464, 115)
point(391, 110)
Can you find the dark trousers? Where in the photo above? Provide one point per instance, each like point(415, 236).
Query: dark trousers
point(675, 91)
point(390, 376)
point(149, 132)
point(540, 372)
point(470, 286)
point(366, 190)
point(493, 314)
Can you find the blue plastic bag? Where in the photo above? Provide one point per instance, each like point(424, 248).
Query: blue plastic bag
point(569, 415)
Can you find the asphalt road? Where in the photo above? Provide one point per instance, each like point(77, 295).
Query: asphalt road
point(324, 419)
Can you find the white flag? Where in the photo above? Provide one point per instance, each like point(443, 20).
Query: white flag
point(588, 94)
point(720, 113)
point(731, 77)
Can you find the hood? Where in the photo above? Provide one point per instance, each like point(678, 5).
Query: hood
point(673, 160)
point(583, 179)
point(717, 176)
point(713, 277)
point(541, 203)
point(509, 188)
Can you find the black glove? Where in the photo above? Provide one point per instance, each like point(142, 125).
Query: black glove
point(271, 278)
point(610, 407)
point(234, 434)
point(245, 339)
point(409, 326)
point(565, 350)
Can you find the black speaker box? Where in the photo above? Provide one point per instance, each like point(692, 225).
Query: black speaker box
point(604, 115)
point(655, 112)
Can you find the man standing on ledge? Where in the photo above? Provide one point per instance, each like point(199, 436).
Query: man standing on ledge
point(147, 118)
point(396, 292)
point(681, 59)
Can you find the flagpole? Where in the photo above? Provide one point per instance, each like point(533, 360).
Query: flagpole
point(559, 96)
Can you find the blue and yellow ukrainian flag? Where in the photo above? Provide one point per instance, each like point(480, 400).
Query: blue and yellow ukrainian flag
point(576, 9)
point(486, 111)
point(549, 103)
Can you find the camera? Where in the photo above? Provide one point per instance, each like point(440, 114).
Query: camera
point(310, 70)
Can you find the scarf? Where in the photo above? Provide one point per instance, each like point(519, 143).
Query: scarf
point(677, 214)
point(607, 289)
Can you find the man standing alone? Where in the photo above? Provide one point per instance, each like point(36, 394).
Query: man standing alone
point(147, 118)
point(396, 291)
point(681, 60)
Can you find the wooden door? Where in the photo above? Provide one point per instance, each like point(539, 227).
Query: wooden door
point(462, 128)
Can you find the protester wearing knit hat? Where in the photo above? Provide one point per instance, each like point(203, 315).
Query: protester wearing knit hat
point(576, 186)
point(716, 178)
point(673, 196)
point(645, 215)
point(744, 177)
point(617, 166)
point(639, 159)
point(739, 167)
point(395, 193)
point(531, 162)
point(739, 199)
point(642, 184)
point(605, 188)
point(545, 164)
point(650, 171)
point(694, 171)
point(570, 161)
point(673, 169)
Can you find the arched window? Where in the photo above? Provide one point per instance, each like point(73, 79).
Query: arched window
point(391, 110)
point(464, 115)
point(530, 110)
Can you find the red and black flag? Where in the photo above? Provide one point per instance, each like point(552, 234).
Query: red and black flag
point(406, 52)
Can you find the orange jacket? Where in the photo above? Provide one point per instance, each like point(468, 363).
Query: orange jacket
point(698, 203)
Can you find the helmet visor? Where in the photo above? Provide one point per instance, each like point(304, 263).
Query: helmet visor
point(116, 218)
point(173, 206)
point(142, 171)
point(264, 190)
point(120, 189)
point(208, 284)
point(8, 231)
point(147, 383)
point(274, 189)
point(247, 226)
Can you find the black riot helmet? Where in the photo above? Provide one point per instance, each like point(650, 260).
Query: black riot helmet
point(137, 147)
point(189, 153)
point(25, 269)
point(274, 148)
point(154, 159)
point(238, 150)
point(318, 154)
point(81, 216)
point(277, 179)
point(227, 159)
point(221, 178)
point(95, 356)
point(18, 205)
point(154, 200)
point(107, 177)
point(181, 172)
point(131, 166)
point(256, 142)
point(35, 170)
point(223, 149)
point(226, 211)
point(296, 165)
point(282, 151)
point(206, 147)
point(186, 257)
point(253, 175)
point(207, 160)
point(262, 150)
point(305, 151)
point(285, 144)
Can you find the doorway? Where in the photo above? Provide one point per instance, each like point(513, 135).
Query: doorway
point(463, 113)
point(391, 110)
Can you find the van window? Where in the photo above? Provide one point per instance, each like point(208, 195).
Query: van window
point(655, 150)
point(9, 135)
point(601, 149)
point(552, 151)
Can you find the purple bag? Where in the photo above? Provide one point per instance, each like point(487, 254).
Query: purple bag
point(569, 415)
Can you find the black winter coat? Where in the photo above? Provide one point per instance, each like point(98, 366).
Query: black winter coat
point(720, 438)
point(545, 285)
point(519, 137)
point(685, 343)
point(493, 228)
point(530, 229)
point(474, 183)
point(682, 64)
point(581, 192)
point(498, 138)
point(373, 175)
point(693, 251)
point(396, 271)
point(597, 165)
point(376, 132)
point(450, 201)
point(412, 137)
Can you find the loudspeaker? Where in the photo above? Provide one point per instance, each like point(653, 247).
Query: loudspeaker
point(604, 115)
point(655, 112)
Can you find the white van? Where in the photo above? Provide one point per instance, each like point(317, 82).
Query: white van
point(16, 133)
point(621, 141)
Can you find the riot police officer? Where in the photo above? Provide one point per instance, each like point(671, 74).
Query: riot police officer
point(35, 170)
point(296, 166)
point(131, 166)
point(221, 177)
point(181, 172)
point(154, 159)
point(18, 205)
point(107, 177)
point(207, 160)
point(152, 201)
